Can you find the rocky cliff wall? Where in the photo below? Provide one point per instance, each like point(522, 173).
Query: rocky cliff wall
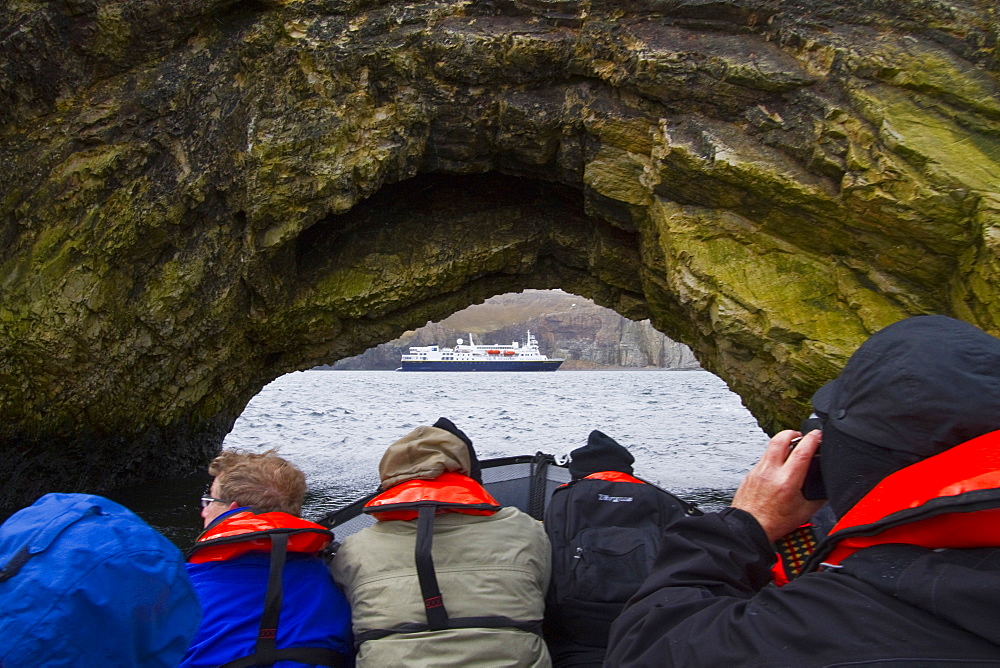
point(594, 337)
point(198, 196)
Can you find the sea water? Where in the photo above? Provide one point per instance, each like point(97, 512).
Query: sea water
point(687, 431)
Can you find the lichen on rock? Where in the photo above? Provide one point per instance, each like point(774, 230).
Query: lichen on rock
point(198, 197)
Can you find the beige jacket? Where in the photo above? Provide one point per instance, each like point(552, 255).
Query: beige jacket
point(495, 565)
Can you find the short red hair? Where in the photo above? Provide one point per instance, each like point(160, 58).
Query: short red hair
point(263, 481)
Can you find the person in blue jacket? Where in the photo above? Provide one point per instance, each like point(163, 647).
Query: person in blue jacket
point(86, 582)
point(266, 594)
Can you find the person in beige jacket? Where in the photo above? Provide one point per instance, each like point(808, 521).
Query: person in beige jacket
point(446, 577)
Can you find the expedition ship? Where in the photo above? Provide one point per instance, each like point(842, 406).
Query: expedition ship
point(474, 357)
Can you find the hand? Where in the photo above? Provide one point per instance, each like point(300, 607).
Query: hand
point(772, 490)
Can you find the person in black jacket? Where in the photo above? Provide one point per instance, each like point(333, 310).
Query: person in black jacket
point(604, 527)
point(909, 575)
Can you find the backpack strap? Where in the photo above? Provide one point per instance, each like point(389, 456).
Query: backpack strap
point(266, 652)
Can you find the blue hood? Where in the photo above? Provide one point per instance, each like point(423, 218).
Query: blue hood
point(85, 582)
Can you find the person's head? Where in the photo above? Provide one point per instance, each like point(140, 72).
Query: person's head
point(602, 453)
point(913, 390)
point(427, 452)
point(264, 482)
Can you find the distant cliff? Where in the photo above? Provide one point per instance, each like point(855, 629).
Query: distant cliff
point(586, 335)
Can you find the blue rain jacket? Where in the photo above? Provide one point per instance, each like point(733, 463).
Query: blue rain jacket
point(314, 612)
point(85, 582)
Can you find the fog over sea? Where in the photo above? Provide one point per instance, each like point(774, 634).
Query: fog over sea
point(688, 432)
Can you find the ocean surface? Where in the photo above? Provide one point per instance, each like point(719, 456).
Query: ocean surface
point(688, 432)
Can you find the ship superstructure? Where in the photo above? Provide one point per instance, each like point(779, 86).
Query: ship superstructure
point(474, 357)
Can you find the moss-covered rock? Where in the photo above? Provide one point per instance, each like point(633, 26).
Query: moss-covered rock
point(200, 196)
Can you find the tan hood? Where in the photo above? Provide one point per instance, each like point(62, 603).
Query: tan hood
point(423, 454)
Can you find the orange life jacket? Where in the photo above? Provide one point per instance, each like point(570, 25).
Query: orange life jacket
point(613, 476)
point(950, 500)
point(609, 476)
point(422, 500)
point(449, 492)
point(246, 531)
point(276, 533)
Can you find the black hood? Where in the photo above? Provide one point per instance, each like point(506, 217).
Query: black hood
point(913, 390)
point(921, 385)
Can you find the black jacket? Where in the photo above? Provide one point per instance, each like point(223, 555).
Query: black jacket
point(604, 532)
point(709, 600)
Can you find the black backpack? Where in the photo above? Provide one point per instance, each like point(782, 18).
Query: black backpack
point(605, 536)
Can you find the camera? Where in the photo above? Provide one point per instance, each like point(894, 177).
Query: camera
point(812, 487)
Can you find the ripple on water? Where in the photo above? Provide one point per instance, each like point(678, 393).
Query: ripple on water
point(685, 428)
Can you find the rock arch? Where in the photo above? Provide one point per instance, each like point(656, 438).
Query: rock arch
point(197, 199)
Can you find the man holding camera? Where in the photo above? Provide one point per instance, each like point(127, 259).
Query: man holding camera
point(910, 572)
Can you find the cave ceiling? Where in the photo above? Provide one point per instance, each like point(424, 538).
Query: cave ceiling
point(198, 197)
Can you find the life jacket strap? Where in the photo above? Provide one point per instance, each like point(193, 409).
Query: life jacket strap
point(498, 622)
point(437, 614)
point(266, 652)
point(316, 656)
point(267, 634)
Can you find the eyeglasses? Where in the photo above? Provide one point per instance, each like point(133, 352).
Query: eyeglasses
point(206, 501)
